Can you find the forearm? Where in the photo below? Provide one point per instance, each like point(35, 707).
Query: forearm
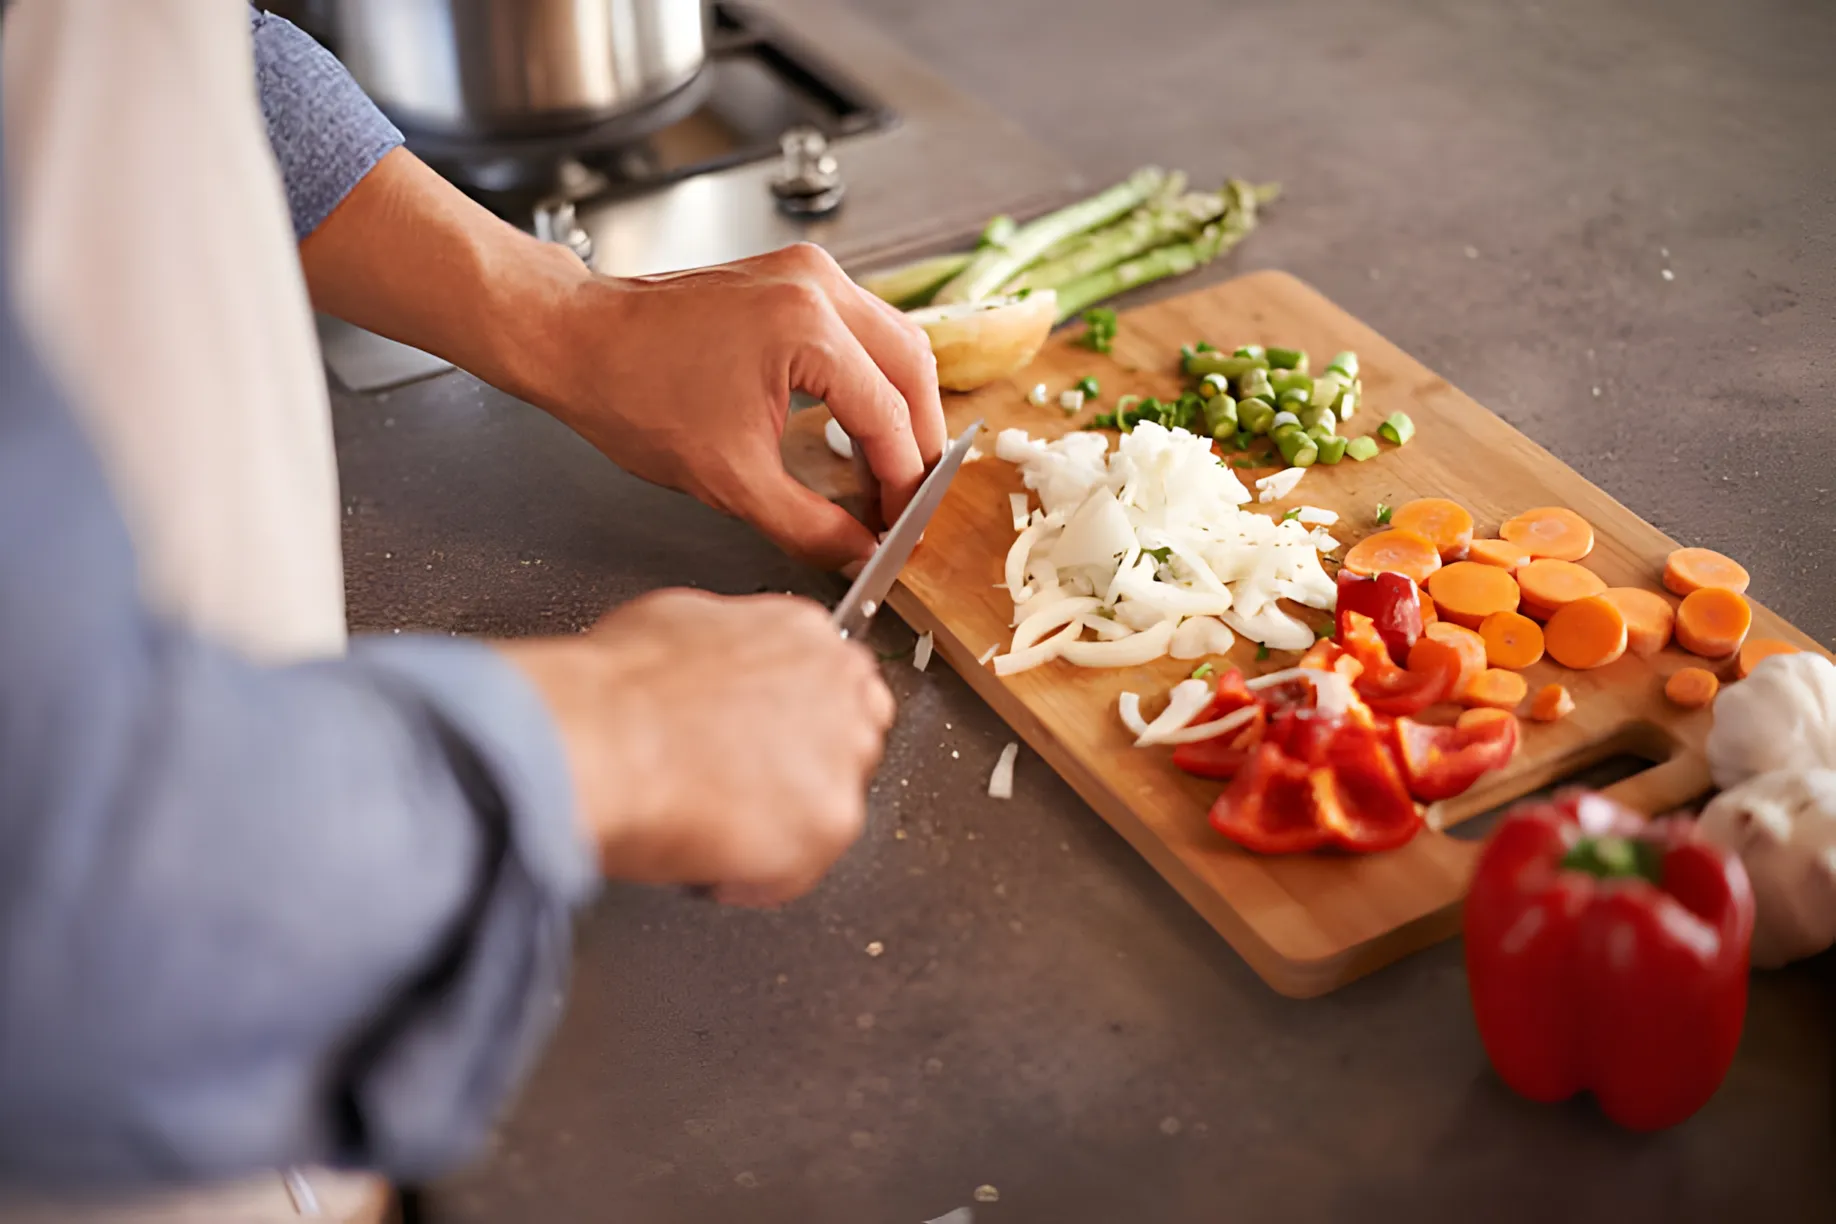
point(410, 257)
point(250, 916)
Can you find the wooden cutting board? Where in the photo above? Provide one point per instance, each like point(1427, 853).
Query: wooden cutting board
point(1307, 923)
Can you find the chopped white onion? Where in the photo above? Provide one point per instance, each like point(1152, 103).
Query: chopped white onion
point(1211, 730)
point(1185, 703)
point(1017, 661)
point(1001, 781)
point(1107, 629)
point(1280, 484)
point(1314, 516)
point(1198, 636)
point(838, 439)
point(921, 654)
point(1071, 400)
point(1332, 691)
point(988, 654)
point(1323, 541)
point(1128, 705)
point(1052, 616)
point(1131, 651)
point(1038, 394)
point(1272, 627)
point(1021, 513)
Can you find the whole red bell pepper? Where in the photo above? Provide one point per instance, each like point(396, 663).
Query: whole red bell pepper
point(1609, 954)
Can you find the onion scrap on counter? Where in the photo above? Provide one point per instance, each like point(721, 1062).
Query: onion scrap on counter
point(1147, 551)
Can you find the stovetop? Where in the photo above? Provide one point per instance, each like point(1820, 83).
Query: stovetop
point(922, 165)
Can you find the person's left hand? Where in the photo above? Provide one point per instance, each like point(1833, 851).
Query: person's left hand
point(685, 380)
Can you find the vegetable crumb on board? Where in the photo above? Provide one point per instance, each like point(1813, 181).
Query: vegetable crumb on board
point(875, 948)
point(921, 655)
point(987, 1194)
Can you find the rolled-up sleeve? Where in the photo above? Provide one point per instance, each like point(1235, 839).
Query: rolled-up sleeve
point(326, 132)
point(251, 916)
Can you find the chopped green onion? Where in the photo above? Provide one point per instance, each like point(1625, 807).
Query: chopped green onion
point(1383, 514)
point(1244, 439)
point(1398, 429)
point(1262, 652)
point(1361, 449)
point(1088, 385)
point(1292, 514)
point(1161, 555)
point(1099, 329)
point(1202, 670)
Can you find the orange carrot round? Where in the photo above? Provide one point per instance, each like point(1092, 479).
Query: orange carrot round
point(1445, 524)
point(1497, 688)
point(1430, 613)
point(1552, 703)
point(1512, 640)
point(1587, 633)
point(1713, 622)
point(1467, 592)
point(1394, 552)
point(1692, 687)
point(1649, 618)
point(1549, 584)
point(1756, 649)
point(1688, 570)
point(1468, 648)
point(1550, 531)
point(1478, 716)
point(1502, 553)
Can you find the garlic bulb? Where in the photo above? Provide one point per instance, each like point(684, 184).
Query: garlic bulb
point(1783, 716)
point(1783, 826)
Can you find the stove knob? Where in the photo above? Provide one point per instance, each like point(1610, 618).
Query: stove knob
point(808, 184)
point(555, 221)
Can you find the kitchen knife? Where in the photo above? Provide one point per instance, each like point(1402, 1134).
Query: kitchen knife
point(864, 598)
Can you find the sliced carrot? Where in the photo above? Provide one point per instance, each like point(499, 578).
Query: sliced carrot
point(1468, 648)
point(1690, 569)
point(1512, 640)
point(1692, 687)
point(1467, 592)
point(1394, 552)
point(1496, 687)
point(1552, 703)
point(1502, 553)
point(1478, 716)
point(1713, 622)
point(1446, 524)
point(1649, 618)
point(1549, 584)
point(1587, 633)
point(1550, 531)
point(1430, 613)
point(1756, 649)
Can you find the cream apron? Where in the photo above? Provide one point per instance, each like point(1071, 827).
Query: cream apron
point(156, 269)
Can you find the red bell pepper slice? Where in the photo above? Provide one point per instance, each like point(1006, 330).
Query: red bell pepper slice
point(1607, 954)
point(1391, 601)
point(1441, 762)
point(1222, 756)
point(1317, 782)
point(1385, 687)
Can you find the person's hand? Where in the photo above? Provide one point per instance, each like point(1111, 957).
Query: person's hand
point(716, 741)
point(685, 380)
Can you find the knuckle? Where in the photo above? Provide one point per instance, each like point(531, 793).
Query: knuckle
point(812, 258)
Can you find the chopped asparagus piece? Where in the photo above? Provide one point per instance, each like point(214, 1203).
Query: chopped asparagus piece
point(912, 285)
point(1361, 449)
point(1288, 359)
point(1398, 429)
point(1332, 449)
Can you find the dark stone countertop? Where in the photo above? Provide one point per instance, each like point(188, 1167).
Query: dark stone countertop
point(1498, 188)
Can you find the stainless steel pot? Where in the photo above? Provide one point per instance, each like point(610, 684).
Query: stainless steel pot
point(505, 69)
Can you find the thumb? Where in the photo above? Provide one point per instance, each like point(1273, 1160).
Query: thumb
point(804, 523)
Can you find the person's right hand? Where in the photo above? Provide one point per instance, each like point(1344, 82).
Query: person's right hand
point(716, 741)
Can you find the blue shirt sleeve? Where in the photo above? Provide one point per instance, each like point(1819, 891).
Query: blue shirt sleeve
point(250, 916)
point(325, 131)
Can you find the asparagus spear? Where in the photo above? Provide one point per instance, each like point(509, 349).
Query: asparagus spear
point(1175, 259)
point(995, 266)
point(1142, 231)
point(912, 285)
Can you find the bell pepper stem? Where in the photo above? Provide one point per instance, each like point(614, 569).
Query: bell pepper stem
point(1615, 858)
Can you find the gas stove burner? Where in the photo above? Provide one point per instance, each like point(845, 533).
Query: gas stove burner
point(809, 185)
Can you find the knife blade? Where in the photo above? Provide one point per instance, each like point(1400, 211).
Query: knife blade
point(876, 578)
